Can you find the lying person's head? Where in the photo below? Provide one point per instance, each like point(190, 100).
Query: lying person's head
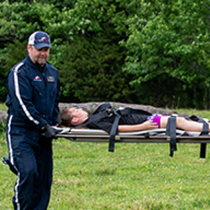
point(73, 117)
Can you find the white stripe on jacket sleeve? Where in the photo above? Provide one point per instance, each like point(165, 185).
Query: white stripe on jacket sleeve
point(17, 93)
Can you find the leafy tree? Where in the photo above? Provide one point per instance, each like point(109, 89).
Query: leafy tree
point(16, 53)
point(68, 4)
point(172, 38)
point(58, 4)
point(165, 43)
point(91, 69)
point(8, 21)
point(94, 56)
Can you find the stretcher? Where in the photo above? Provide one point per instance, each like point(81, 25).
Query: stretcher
point(147, 136)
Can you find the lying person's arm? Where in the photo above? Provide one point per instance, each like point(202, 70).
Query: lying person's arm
point(147, 125)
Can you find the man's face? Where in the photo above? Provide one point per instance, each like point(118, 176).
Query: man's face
point(38, 57)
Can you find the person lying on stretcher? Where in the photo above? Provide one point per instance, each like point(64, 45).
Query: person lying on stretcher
point(128, 123)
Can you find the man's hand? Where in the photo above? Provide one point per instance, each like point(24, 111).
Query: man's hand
point(49, 132)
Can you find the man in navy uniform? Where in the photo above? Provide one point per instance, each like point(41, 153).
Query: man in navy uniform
point(32, 100)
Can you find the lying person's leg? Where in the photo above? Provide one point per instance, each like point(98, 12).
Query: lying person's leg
point(182, 123)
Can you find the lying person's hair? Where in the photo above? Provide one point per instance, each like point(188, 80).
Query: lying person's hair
point(65, 119)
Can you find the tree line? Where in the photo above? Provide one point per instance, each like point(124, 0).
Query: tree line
point(136, 51)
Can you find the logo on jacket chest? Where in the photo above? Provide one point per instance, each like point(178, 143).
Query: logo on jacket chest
point(50, 79)
point(37, 78)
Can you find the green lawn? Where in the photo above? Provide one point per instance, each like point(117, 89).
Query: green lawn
point(136, 176)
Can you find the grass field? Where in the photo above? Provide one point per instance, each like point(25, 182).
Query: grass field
point(136, 176)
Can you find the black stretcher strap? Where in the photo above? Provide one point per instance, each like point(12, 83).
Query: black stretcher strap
point(105, 111)
point(114, 131)
point(171, 131)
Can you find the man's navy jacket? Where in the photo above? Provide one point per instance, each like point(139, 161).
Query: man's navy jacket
point(33, 93)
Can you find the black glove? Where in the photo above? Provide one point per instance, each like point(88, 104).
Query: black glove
point(49, 132)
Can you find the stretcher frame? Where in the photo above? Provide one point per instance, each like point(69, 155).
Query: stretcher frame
point(94, 135)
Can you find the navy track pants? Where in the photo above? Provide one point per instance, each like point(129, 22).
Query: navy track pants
point(34, 165)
